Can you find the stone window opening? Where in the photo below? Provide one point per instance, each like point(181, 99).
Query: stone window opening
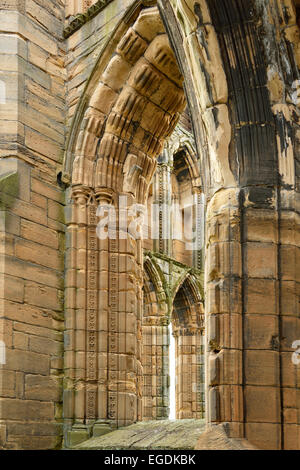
point(187, 330)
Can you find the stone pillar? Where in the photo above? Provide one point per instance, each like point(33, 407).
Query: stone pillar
point(224, 311)
point(81, 317)
point(199, 228)
point(251, 292)
point(163, 202)
point(103, 320)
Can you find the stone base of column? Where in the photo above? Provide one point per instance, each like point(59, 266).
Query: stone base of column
point(78, 434)
point(102, 427)
point(81, 432)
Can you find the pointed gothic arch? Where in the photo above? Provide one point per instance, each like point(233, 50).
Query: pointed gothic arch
point(154, 344)
point(188, 329)
point(113, 145)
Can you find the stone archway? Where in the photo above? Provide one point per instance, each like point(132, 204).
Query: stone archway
point(154, 345)
point(133, 108)
point(183, 310)
point(188, 330)
point(247, 159)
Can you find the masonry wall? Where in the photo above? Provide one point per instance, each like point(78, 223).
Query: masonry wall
point(42, 76)
point(83, 48)
point(32, 136)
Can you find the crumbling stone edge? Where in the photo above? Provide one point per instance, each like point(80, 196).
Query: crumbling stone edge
point(82, 18)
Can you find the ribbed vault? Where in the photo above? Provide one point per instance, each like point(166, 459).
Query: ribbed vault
point(133, 109)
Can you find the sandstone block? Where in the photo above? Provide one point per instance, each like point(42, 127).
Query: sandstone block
point(290, 291)
point(26, 410)
point(290, 262)
point(43, 296)
point(261, 296)
point(47, 190)
point(39, 234)
point(291, 436)
point(261, 332)
point(39, 254)
point(264, 436)
point(289, 397)
point(43, 145)
point(26, 442)
point(2, 435)
point(261, 260)
point(38, 387)
point(34, 428)
point(30, 212)
point(37, 55)
point(262, 368)
point(12, 288)
point(27, 361)
point(261, 226)
point(289, 370)
point(56, 211)
point(45, 346)
point(262, 404)
point(32, 272)
point(20, 340)
point(8, 383)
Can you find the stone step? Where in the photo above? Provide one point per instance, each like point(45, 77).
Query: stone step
point(156, 435)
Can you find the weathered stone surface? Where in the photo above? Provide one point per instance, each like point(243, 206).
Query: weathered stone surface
point(26, 409)
point(168, 435)
point(42, 388)
point(216, 438)
point(111, 108)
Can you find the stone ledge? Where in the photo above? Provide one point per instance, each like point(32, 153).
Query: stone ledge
point(160, 435)
point(83, 18)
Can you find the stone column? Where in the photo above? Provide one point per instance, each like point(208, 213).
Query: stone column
point(82, 321)
point(124, 304)
point(251, 292)
point(162, 198)
point(103, 320)
point(224, 311)
point(199, 228)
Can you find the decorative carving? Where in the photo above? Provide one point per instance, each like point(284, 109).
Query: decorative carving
point(134, 107)
point(132, 46)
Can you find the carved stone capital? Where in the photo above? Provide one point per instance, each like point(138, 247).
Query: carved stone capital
point(80, 194)
point(104, 195)
point(186, 331)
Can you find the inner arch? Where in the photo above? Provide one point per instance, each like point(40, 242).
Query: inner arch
point(133, 109)
point(126, 118)
point(188, 329)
